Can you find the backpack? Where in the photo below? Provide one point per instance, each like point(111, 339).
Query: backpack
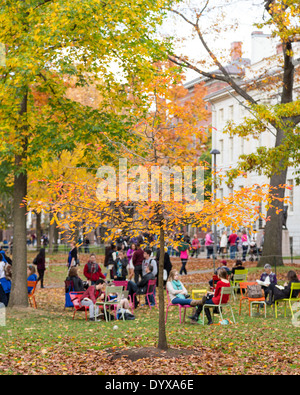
point(254, 291)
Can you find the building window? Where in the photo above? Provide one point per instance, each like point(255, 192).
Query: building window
point(221, 115)
point(230, 113)
point(242, 146)
point(230, 149)
point(221, 143)
point(290, 192)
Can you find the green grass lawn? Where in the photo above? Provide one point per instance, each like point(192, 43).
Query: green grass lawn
point(49, 341)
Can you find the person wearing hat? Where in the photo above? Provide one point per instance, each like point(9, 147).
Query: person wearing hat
point(267, 278)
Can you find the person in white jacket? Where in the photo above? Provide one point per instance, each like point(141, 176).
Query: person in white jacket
point(177, 291)
point(223, 244)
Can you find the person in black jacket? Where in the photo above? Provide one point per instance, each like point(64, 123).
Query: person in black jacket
point(40, 261)
point(141, 287)
point(77, 285)
point(120, 266)
point(276, 293)
point(167, 264)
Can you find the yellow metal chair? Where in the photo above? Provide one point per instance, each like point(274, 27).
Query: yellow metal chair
point(197, 294)
point(294, 287)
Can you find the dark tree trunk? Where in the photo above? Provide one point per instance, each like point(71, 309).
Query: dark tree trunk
point(272, 249)
point(38, 230)
point(162, 338)
point(19, 293)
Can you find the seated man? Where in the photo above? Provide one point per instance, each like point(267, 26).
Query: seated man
point(141, 287)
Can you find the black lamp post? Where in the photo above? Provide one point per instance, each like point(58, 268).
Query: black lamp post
point(215, 152)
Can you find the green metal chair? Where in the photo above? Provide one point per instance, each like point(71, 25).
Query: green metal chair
point(239, 277)
point(294, 287)
point(224, 291)
point(107, 303)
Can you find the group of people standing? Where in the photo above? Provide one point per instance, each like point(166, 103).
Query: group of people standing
point(236, 244)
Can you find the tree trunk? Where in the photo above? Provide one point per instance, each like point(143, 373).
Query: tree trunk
point(162, 338)
point(272, 248)
point(19, 292)
point(51, 233)
point(38, 230)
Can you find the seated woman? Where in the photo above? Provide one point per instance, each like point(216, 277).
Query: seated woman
point(276, 293)
point(177, 291)
point(77, 283)
point(31, 276)
point(213, 299)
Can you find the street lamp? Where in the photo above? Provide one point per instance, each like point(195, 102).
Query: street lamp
point(215, 152)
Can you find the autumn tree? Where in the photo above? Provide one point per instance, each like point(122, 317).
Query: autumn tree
point(156, 187)
point(282, 118)
point(48, 42)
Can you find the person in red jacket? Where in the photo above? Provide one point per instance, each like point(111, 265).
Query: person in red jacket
point(232, 244)
point(213, 299)
point(92, 270)
point(90, 296)
point(137, 260)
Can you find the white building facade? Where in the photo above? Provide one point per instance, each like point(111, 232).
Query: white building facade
point(226, 106)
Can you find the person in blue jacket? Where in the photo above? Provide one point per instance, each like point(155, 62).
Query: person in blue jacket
point(31, 275)
point(5, 286)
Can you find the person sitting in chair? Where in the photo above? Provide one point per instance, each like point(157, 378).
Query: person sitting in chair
point(141, 287)
point(213, 299)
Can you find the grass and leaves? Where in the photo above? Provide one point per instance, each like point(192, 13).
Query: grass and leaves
point(48, 341)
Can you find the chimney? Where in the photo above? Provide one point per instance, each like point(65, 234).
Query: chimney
point(236, 51)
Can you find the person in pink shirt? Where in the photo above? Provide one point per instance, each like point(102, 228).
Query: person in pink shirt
point(195, 246)
point(245, 244)
point(209, 244)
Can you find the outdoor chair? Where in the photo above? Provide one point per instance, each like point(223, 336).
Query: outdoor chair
point(108, 302)
point(77, 305)
point(294, 287)
point(239, 276)
point(197, 294)
point(251, 301)
point(121, 284)
point(180, 307)
point(124, 284)
point(150, 291)
point(68, 288)
point(224, 291)
point(31, 294)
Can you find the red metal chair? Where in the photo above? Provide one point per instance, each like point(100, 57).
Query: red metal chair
point(121, 284)
point(77, 305)
point(185, 306)
point(150, 291)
